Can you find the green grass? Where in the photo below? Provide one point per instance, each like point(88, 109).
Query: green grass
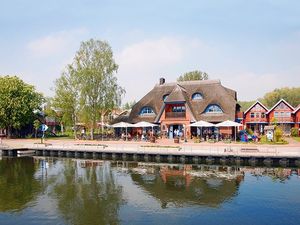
point(263, 140)
point(296, 138)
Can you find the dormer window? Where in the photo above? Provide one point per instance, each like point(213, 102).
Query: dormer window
point(147, 111)
point(165, 97)
point(213, 109)
point(197, 96)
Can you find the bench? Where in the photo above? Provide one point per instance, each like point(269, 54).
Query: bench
point(249, 150)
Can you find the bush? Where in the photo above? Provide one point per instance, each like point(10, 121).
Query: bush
point(294, 132)
point(278, 134)
point(249, 131)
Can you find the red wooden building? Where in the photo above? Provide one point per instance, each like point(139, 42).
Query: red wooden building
point(255, 117)
point(282, 114)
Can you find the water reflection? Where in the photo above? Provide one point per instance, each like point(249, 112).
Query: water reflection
point(93, 191)
point(182, 185)
point(17, 184)
point(91, 194)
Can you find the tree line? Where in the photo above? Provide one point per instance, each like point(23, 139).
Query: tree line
point(291, 95)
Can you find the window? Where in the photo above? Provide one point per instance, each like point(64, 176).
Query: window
point(165, 97)
point(213, 109)
point(146, 111)
point(282, 114)
point(197, 96)
point(257, 115)
point(251, 115)
point(275, 114)
point(178, 109)
point(263, 115)
point(288, 114)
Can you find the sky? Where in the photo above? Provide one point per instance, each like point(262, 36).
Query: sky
point(252, 46)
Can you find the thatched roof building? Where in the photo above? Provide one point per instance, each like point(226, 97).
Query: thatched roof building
point(204, 100)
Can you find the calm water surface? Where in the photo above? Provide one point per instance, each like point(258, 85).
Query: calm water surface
point(83, 192)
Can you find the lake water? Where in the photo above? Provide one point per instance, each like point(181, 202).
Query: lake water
point(89, 192)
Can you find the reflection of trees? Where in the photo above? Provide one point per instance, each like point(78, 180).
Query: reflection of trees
point(88, 196)
point(17, 183)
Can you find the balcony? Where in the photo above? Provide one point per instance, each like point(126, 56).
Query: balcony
point(175, 114)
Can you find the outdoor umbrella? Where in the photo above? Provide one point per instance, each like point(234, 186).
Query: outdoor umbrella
point(123, 125)
point(229, 123)
point(145, 124)
point(201, 124)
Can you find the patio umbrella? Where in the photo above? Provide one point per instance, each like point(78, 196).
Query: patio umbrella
point(229, 123)
point(201, 124)
point(123, 125)
point(145, 124)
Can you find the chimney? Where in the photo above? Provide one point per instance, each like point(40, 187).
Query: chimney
point(162, 81)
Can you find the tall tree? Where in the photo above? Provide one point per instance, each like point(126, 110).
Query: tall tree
point(89, 88)
point(66, 99)
point(18, 101)
point(193, 75)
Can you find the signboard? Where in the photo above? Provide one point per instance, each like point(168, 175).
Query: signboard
point(44, 127)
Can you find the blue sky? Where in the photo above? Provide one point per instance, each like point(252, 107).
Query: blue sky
point(251, 46)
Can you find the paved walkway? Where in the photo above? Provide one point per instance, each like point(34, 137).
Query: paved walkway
point(163, 146)
point(159, 142)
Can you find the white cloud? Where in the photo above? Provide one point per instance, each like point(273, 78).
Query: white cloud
point(251, 86)
point(141, 65)
point(56, 43)
point(145, 61)
point(151, 52)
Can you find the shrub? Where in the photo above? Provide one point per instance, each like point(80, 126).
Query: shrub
point(295, 132)
point(278, 134)
point(249, 131)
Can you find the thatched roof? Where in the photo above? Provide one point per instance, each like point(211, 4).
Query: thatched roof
point(211, 90)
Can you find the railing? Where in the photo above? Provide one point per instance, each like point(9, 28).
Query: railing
point(175, 114)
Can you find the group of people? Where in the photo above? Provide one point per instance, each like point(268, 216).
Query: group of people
point(178, 133)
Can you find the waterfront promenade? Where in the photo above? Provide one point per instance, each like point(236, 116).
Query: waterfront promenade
point(161, 147)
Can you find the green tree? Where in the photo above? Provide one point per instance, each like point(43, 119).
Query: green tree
point(129, 105)
point(66, 99)
point(245, 105)
point(36, 125)
point(291, 95)
point(99, 91)
point(193, 75)
point(18, 101)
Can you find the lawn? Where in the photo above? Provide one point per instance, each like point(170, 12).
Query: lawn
point(296, 138)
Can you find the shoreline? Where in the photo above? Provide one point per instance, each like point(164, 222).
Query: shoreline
point(162, 147)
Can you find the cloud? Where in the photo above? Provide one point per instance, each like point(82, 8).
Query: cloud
point(141, 64)
point(147, 53)
point(55, 43)
point(145, 61)
point(251, 86)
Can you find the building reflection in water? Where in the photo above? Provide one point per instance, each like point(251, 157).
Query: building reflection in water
point(181, 185)
point(96, 189)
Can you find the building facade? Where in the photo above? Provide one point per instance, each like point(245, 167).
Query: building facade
point(176, 105)
point(255, 117)
point(282, 114)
